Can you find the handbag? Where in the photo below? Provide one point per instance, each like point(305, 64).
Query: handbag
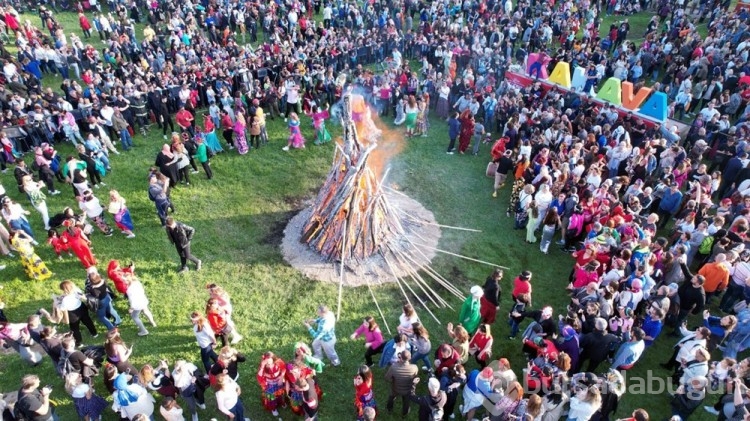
point(491, 169)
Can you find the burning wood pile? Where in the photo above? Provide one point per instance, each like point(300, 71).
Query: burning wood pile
point(351, 217)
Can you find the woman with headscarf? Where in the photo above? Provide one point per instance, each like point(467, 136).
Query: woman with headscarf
point(467, 130)
point(130, 400)
point(167, 163)
point(121, 213)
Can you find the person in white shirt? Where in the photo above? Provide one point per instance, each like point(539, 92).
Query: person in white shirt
point(138, 304)
point(206, 339)
point(584, 404)
point(171, 411)
point(292, 98)
point(70, 301)
point(228, 398)
point(192, 387)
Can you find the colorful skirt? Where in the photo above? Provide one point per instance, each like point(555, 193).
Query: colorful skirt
point(360, 406)
point(123, 220)
point(273, 396)
point(296, 140)
point(34, 266)
point(212, 142)
point(295, 402)
point(240, 140)
point(422, 124)
point(322, 135)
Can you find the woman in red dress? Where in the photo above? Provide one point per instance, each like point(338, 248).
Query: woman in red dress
point(363, 394)
point(480, 345)
point(467, 130)
point(79, 243)
point(271, 374)
point(296, 370)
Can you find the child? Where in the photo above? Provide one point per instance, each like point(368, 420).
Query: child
point(400, 113)
point(319, 122)
point(719, 372)
point(254, 131)
point(201, 154)
point(59, 244)
point(295, 135)
point(515, 317)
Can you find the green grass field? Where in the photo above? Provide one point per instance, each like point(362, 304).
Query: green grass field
point(240, 217)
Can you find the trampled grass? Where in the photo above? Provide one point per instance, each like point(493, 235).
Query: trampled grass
point(239, 217)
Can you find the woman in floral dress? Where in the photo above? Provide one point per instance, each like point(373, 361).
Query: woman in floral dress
point(240, 138)
point(271, 375)
point(34, 266)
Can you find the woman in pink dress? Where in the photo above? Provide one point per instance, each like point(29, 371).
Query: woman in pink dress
point(240, 139)
point(295, 135)
point(319, 123)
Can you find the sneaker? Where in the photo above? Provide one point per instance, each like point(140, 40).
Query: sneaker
point(183, 269)
point(512, 338)
point(3, 267)
point(144, 333)
point(231, 148)
point(131, 235)
point(494, 194)
point(711, 410)
point(424, 368)
point(560, 243)
point(165, 137)
point(198, 265)
point(95, 336)
point(275, 413)
point(194, 172)
point(450, 152)
point(285, 148)
point(103, 183)
point(109, 234)
point(201, 405)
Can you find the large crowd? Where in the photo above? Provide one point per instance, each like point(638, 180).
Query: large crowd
point(655, 222)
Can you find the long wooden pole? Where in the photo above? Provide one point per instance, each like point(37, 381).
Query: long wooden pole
point(462, 256)
point(341, 273)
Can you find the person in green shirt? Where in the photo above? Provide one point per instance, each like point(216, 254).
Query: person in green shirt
point(469, 317)
point(201, 154)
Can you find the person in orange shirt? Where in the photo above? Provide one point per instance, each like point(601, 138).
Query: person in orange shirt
point(717, 276)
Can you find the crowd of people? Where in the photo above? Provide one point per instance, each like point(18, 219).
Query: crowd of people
point(608, 182)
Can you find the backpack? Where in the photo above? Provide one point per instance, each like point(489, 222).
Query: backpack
point(18, 414)
point(64, 366)
point(706, 245)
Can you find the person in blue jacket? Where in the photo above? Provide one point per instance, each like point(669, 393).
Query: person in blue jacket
point(670, 204)
point(454, 128)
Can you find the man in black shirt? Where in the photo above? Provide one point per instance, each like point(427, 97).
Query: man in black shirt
point(180, 235)
point(34, 403)
point(80, 363)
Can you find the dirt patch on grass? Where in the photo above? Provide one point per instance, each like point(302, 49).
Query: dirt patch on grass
point(413, 251)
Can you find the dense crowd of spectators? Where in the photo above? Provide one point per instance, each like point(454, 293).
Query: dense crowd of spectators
point(609, 182)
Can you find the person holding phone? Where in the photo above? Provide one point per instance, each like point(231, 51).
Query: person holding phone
point(33, 403)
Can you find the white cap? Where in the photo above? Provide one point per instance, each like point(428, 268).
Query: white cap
point(476, 291)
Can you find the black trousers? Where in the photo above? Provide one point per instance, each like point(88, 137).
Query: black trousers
point(227, 134)
point(207, 168)
point(78, 316)
point(405, 402)
point(373, 351)
point(185, 255)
